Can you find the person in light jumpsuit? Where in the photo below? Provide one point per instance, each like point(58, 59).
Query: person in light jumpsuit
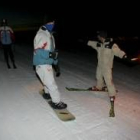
point(106, 50)
point(44, 58)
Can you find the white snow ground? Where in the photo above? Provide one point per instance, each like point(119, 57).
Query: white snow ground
point(25, 115)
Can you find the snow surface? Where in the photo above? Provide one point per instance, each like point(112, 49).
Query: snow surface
point(25, 115)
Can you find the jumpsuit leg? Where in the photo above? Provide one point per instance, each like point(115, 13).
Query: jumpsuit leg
point(107, 74)
point(100, 79)
point(111, 90)
point(45, 72)
point(46, 89)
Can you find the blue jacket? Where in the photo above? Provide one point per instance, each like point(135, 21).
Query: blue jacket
point(41, 57)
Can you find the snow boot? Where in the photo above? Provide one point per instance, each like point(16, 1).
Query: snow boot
point(59, 105)
point(111, 112)
point(46, 96)
point(14, 66)
point(96, 89)
point(8, 65)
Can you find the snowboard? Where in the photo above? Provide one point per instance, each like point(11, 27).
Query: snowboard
point(62, 114)
point(85, 89)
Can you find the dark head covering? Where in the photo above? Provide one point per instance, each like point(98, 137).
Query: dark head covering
point(48, 18)
point(4, 22)
point(46, 21)
point(102, 33)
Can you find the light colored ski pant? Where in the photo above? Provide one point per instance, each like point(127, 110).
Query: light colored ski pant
point(45, 73)
point(104, 78)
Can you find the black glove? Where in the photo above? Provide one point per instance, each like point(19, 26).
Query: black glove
point(126, 58)
point(53, 55)
point(131, 61)
point(57, 70)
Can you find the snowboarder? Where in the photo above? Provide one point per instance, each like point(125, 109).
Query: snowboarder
point(45, 60)
point(7, 38)
point(106, 50)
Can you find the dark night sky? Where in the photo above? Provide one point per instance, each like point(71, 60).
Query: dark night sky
point(76, 20)
point(81, 19)
point(86, 17)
